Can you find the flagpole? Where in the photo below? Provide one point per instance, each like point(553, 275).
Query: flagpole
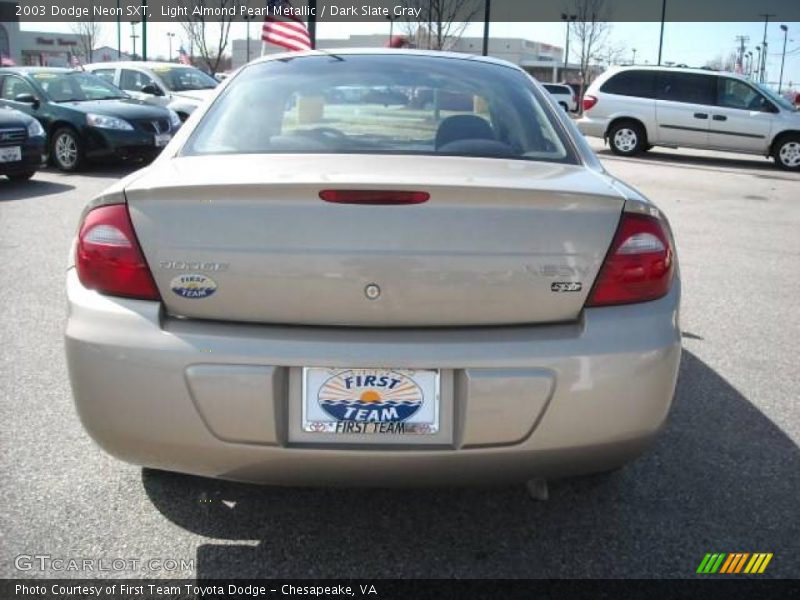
point(312, 23)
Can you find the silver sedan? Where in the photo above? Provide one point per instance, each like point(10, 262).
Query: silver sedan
point(374, 267)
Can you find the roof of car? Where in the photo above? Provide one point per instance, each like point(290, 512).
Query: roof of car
point(698, 70)
point(141, 64)
point(388, 52)
point(23, 70)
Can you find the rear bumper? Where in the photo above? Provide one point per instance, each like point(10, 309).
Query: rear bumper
point(215, 399)
point(592, 126)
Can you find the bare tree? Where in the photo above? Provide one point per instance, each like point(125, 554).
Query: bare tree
point(590, 30)
point(208, 35)
point(723, 63)
point(612, 54)
point(88, 33)
point(440, 23)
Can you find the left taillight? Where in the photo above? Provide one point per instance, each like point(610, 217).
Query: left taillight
point(108, 257)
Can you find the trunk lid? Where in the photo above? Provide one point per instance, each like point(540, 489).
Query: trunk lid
point(499, 242)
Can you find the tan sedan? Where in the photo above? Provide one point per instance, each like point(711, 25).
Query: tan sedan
point(321, 282)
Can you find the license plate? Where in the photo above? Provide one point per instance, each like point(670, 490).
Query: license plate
point(373, 402)
point(10, 154)
point(162, 139)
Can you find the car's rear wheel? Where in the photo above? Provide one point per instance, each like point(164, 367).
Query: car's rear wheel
point(66, 149)
point(787, 153)
point(21, 176)
point(627, 138)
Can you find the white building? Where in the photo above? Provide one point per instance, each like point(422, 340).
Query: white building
point(543, 61)
point(33, 47)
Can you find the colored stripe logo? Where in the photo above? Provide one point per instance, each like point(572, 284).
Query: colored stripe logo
point(734, 563)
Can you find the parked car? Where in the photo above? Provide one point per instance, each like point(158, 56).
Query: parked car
point(85, 117)
point(636, 108)
point(564, 95)
point(373, 296)
point(181, 88)
point(21, 144)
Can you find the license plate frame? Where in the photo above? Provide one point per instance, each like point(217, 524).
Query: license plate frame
point(401, 404)
point(9, 154)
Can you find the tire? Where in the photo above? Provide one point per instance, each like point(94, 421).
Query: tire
point(66, 149)
point(627, 138)
point(21, 176)
point(787, 152)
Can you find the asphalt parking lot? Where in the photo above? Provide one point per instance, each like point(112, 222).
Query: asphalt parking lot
point(724, 476)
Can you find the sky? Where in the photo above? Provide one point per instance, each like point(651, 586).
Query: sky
point(689, 43)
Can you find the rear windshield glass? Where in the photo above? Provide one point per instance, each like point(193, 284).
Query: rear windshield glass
point(381, 105)
point(181, 79)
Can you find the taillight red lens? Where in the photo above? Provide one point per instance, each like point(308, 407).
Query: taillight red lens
point(109, 258)
point(639, 265)
point(589, 102)
point(381, 197)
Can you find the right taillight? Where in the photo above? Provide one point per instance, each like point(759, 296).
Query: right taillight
point(639, 264)
point(108, 257)
point(589, 102)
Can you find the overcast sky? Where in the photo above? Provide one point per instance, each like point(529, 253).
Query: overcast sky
point(689, 43)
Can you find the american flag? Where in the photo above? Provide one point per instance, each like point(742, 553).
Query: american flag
point(283, 28)
point(183, 58)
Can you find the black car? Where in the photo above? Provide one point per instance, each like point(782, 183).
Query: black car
point(86, 117)
point(22, 144)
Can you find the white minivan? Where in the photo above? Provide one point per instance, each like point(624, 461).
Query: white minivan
point(636, 108)
point(179, 87)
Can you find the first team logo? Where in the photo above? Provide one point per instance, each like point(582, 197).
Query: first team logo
point(370, 396)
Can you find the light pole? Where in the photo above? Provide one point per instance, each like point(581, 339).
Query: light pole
point(661, 35)
point(119, 33)
point(785, 31)
point(762, 63)
point(758, 62)
point(144, 29)
point(748, 57)
point(567, 19)
point(247, 19)
point(170, 36)
point(633, 62)
point(133, 38)
point(487, 19)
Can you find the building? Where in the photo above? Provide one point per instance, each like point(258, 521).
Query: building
point(542, 61)
point(32, 47)
point(107, 54)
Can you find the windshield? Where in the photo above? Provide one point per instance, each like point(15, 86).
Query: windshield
point(180, 79)
point(76, 86)
point(779, 100)
point(381, 104)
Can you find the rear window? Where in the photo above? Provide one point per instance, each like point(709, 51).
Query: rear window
point(558, 89)
point(631, 83)
point(387, 104)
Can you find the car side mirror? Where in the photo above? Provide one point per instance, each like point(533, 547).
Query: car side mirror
point(27, 99)
point(152, 90)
